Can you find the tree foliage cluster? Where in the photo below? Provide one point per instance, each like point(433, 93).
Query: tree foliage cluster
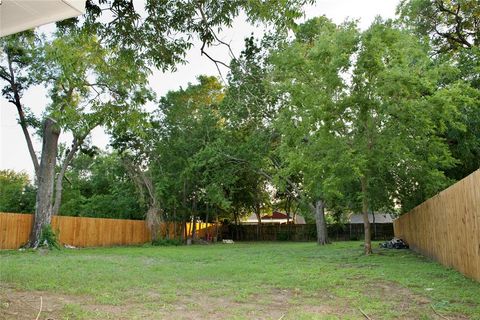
point(16, 192)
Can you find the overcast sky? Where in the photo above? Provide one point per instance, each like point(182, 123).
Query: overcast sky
point(13, 149)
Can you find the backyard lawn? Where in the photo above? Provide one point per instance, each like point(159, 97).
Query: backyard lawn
point(240, 281)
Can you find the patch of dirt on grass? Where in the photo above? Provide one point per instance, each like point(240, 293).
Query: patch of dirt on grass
point(269, 304)
point(15, 304)
point(404, 302)
point(278, 303)
point(19, 304)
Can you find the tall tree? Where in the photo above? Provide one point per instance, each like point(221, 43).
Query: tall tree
point(166, 150)
point(248, 137)
point(362, 111)
point(89, 85)
point(310, 71)
point(17, 55)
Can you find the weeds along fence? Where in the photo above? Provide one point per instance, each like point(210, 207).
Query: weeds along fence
point(90, 232)
point(446, 227)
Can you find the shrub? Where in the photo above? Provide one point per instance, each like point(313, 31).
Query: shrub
point(167, 242)
point(49, 238)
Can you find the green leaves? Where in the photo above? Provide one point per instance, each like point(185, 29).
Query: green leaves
point(451, 25)
point(452, 29)
point(161, 31)
point(363, 106)
point(16, 193)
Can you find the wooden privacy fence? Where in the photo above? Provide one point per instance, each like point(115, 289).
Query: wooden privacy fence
point(88, 232)
point(76, 231)
point(447, 227)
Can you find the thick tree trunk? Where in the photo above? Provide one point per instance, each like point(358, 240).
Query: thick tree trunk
point(319, 212)
point(46, 177)
point(144, 184)
point(366, 222)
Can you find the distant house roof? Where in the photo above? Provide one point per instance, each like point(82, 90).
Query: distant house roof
point(276, 215)
point(379, 218)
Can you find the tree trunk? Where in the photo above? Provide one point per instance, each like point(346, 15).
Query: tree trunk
point(259, 221)
point(46, 177)
point(236, 225)
point(59, 183)
point(319, 211)
point(295, 213)
point(287, 209)
point(207, 233)
point(374, 226)
point(175, 222)
point(216, 224)
point(194, 227)
point(184, 230)
point(366, 222)
point(154, 215)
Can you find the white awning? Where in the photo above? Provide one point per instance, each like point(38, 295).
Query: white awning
point(20, 15)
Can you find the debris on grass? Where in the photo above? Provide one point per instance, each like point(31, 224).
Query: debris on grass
point(395, 243)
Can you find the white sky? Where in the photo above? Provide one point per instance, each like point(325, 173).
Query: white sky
point(13, 149)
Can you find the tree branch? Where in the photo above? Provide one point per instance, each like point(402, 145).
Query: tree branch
point(77, 142)
point(21, 115)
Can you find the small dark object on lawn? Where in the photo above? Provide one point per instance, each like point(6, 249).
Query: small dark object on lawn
point(395, 243)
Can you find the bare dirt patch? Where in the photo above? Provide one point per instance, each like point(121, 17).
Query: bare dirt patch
point(275, 304)
point(15, 304)
point(405, 302)
point(18, 304)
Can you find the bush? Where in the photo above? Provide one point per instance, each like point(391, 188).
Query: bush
point(167, 242)
point(48, 238)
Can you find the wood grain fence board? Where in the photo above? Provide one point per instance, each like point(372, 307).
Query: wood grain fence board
point(77, 231)
point(14, 230)
point(446, 227)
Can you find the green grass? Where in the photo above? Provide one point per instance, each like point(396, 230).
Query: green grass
point(241, 281)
